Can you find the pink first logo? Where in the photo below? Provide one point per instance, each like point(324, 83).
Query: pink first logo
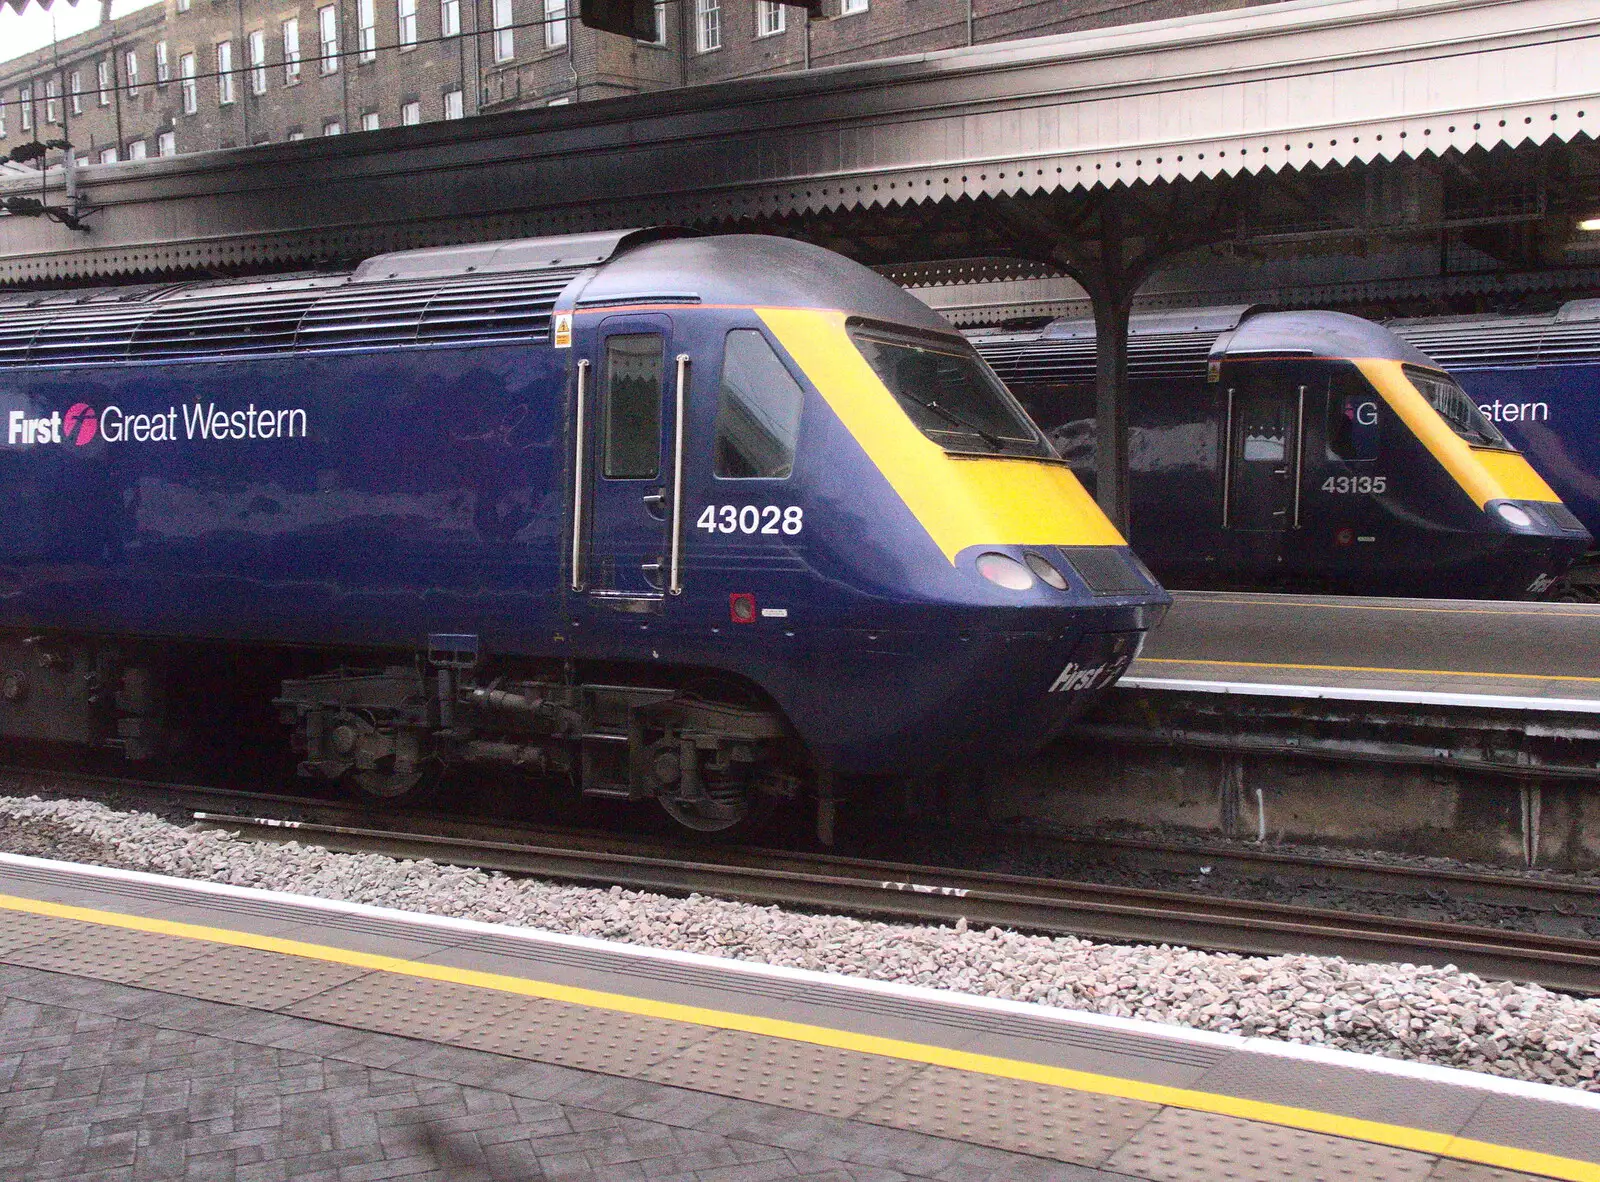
point(80, 424)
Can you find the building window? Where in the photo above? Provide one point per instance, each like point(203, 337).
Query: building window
point(328, 38)
point(453, 106)
point(167, 143)
point(74, 92)
point(769, 18)
point(369, 121)
point(406, 17)
point(291, 51)
point(256, 46)
point(130, 72)
point(708, 25)
point(332, 127)
point(137, 151)
point(410, 113)
point(108, 155)
point(186, 83)
point(2, 120)
point(555, 23)
point(560, 102)
point(295, 134)
point(224, 72)
point(658, 13)
point(449, 18)
point(25, 105)
point(505, 43)
point(102, 73)
point(52, 101)
point(847, 7)
point(367, 29)
point(163, 66)
point(183, 5)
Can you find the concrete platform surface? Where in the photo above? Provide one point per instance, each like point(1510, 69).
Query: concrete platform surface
point(1526, 656)
point(157, 1028)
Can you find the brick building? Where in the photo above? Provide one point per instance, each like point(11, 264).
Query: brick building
point(195, 75)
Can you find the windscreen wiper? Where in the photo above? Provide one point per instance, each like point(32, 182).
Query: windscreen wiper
point(950, 416)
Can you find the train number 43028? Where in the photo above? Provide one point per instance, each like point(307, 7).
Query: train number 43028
point(751, 519)
point(1376, 485)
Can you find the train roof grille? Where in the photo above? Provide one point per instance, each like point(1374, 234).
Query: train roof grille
point(293, 318)
point(1072, 360)
point(1502, 342)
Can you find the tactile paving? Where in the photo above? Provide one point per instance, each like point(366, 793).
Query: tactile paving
point(109, 954)
point(440, 1011)
point(783, 1073)
point(19, 929)
point(252, 977)
point(1069, 1126)
point(1450, 1170)
point(588, 1039)
point(1182, 1145)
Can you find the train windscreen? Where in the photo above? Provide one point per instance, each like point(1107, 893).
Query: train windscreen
point(1456, 408)
point(950, 394)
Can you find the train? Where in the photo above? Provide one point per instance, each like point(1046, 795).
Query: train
point(720, 522)
point(1535, 377)
point(1300, 451)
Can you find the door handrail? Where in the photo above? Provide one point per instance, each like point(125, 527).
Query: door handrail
point(1299, 451)
point(580, 447)
point(1227, 460)
point(675, 561)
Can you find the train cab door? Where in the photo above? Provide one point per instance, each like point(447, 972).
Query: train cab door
point(624, 438)
point(1265, 414)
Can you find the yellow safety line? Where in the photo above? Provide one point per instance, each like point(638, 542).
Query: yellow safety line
point(1349, 1127)
point(1361, 669)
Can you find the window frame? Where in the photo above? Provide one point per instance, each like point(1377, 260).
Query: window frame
point(503, 16)
point(460, 97)
point(607, 406)
point(224, 57)
point(328, 39)
point(188, 85)
point(105, 82)
point(255, 47)
point(707, 26)
point(130, 72)
point(367, 31)
point(449, 18)
point(163, 63)
point(289, 34)
point(74, 94)
point(778, 13)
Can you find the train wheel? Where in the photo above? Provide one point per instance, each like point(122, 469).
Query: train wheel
point(721, 803)
point(400, 786)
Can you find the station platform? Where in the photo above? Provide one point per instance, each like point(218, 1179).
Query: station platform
point(1441, 652)
point(156, 1027)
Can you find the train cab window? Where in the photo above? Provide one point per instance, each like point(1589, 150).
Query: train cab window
point(632, 405)
point(1354, 423)
point(1456, 408)
point(949, 393)
point(758, 411)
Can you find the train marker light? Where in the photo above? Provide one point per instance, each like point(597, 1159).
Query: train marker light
point(1590, 225)
point(1004, 572)
point(1040, 566)
point(1512, 515)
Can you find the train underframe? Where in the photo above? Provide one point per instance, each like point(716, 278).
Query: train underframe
point(711, 751)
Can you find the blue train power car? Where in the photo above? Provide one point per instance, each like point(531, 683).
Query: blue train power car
point(1300, 451)
point(1536, 377)
point(709, 520)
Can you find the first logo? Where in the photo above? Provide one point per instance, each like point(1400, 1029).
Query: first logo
point(80, 424)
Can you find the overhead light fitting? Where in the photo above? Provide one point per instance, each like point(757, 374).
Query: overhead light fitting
point(1592, 225)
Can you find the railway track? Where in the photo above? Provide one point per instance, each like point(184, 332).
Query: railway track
point(894, 890)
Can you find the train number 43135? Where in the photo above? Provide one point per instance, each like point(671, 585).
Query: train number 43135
point(751, 519)
point(1376, 485)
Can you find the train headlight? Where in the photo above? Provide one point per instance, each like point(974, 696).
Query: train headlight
point(1040, 565)
point(1004, 572)
point(1514, 515)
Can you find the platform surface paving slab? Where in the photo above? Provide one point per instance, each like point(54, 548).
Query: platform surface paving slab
point(138, 1048)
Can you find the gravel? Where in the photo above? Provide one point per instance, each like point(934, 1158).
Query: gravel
point(1427, 1014)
